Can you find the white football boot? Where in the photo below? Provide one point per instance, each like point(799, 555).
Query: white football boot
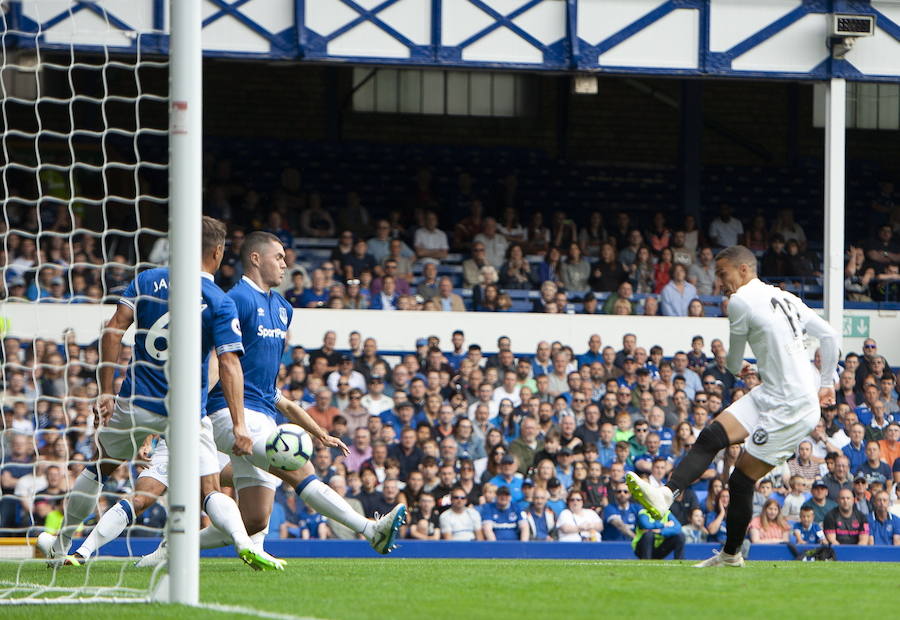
point(655, 499)
point(722, 559)
point(387, 528)
point(154, 558)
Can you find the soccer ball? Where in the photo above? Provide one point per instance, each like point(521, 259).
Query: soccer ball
point(289, 447)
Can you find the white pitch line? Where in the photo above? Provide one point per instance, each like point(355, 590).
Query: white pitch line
point(248, 611)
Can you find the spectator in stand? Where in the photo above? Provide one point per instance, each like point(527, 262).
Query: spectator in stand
point(819, 502)
point(547, 298)
point(576, 271)
point(847, 392)
point(680, 253)
point(890, 445)
point(472, 266)
point(873, 468)
point(576, 523)
point(858, 276)
point(591, 236)
point(447, 299)
point(870, 352)
point(702, 274)
point(323, 412)
point(643, 272)
point(608, 273)
point(494, 243)
point(725, 230)
point(471, 225)
point(516, 272)
point(354, 216)
point(549, 269)
point(756, 238)
point(430, 242)
point(662, 272)
point(774, 262)
point(695, 308)
point(628, 254)
point(428, 286)
point(379, 245)
point(798, 261)
point(501, 520)
point(769, 527)
point(620, 515)
point(678, 293)
point(388, 298)
point(788, 228)
point(480, 293)
point(316, 221)
point(563, 230)
point(886, 286)
point(659, 236)
point(884, 527)
point(358, 260)
point(344, 248)
point(510, 226)
point(461, 522)
point(845, 525)
point(401, 285)
point(838, 479)
point(316, 295)
point(883, 249)
point(537, 236)
point(623, 293)
point(353, 297)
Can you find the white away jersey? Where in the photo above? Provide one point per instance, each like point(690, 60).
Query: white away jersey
point(775, 323)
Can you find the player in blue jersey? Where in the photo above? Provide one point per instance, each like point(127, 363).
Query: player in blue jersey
point(265, 317)
point(139, 410)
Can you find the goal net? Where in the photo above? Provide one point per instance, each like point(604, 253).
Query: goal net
point(84, 104)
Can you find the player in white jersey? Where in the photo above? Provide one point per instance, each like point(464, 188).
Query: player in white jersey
point(264, 317)
point(772, 419)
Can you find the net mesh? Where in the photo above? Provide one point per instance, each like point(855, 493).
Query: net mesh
point(84, 189)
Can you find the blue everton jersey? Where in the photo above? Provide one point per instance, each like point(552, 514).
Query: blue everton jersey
point(148, 296)
point(264, 321)
point(504, 520)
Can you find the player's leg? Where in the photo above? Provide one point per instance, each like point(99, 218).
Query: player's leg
point(222, 510)
point(731, 426)
point(114, 521)
point(741, 484)
point(118, 441)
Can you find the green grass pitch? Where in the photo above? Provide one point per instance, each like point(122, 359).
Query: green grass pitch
point(384, 589)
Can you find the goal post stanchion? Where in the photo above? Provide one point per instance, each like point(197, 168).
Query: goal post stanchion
point(185, 213)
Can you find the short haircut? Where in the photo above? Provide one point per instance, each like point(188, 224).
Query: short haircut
point(213, 235)
point(255, 242)
point(738, 255)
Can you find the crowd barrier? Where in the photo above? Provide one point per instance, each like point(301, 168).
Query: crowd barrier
point(420, 549)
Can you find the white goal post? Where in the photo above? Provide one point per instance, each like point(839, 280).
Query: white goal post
point(77, 106)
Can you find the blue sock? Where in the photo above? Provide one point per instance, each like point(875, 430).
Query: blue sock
point(304, 483)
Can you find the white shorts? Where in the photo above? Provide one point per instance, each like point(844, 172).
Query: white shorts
point(774, 433)
point(209, 461)
point(250, 470)
point(127, 429)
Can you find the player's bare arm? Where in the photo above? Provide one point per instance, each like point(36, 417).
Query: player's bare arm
point(298, 415)
point(110, 348)
point(231, 376)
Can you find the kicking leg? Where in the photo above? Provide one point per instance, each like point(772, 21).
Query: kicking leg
point(255, 505)
point(724, 431)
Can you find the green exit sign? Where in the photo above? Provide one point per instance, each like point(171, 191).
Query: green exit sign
point(856, 327)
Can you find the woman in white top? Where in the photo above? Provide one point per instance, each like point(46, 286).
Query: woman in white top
point(577, 523)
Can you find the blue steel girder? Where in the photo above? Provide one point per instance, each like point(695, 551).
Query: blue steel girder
point(315, 45)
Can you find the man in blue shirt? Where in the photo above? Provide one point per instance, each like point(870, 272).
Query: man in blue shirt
point(856, 449)
point(509, 478)
point(620, 516)
point(264, 317)
point(140, 410)
point(540, 521)
point(501, 521)
point(883, 526)
point(593, 354)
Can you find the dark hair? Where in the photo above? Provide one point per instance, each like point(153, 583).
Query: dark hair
point(254, 242)
point(213, 235)
point(738, 255)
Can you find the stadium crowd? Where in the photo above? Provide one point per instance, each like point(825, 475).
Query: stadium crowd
point(500, 447)
point(485, 255)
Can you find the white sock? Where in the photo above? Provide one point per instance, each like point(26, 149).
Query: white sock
point(327, 502)
point(212, 538)
point(225, 515)
point(260, 537)
point(111, 524)
point(81, 501)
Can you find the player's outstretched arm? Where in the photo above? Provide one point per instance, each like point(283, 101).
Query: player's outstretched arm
point(110, 348)
point(231, 376)
point(298, 415)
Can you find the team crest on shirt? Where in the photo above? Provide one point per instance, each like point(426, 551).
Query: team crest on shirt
point(760, 437)
point(260, 312)
point(282, 314)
